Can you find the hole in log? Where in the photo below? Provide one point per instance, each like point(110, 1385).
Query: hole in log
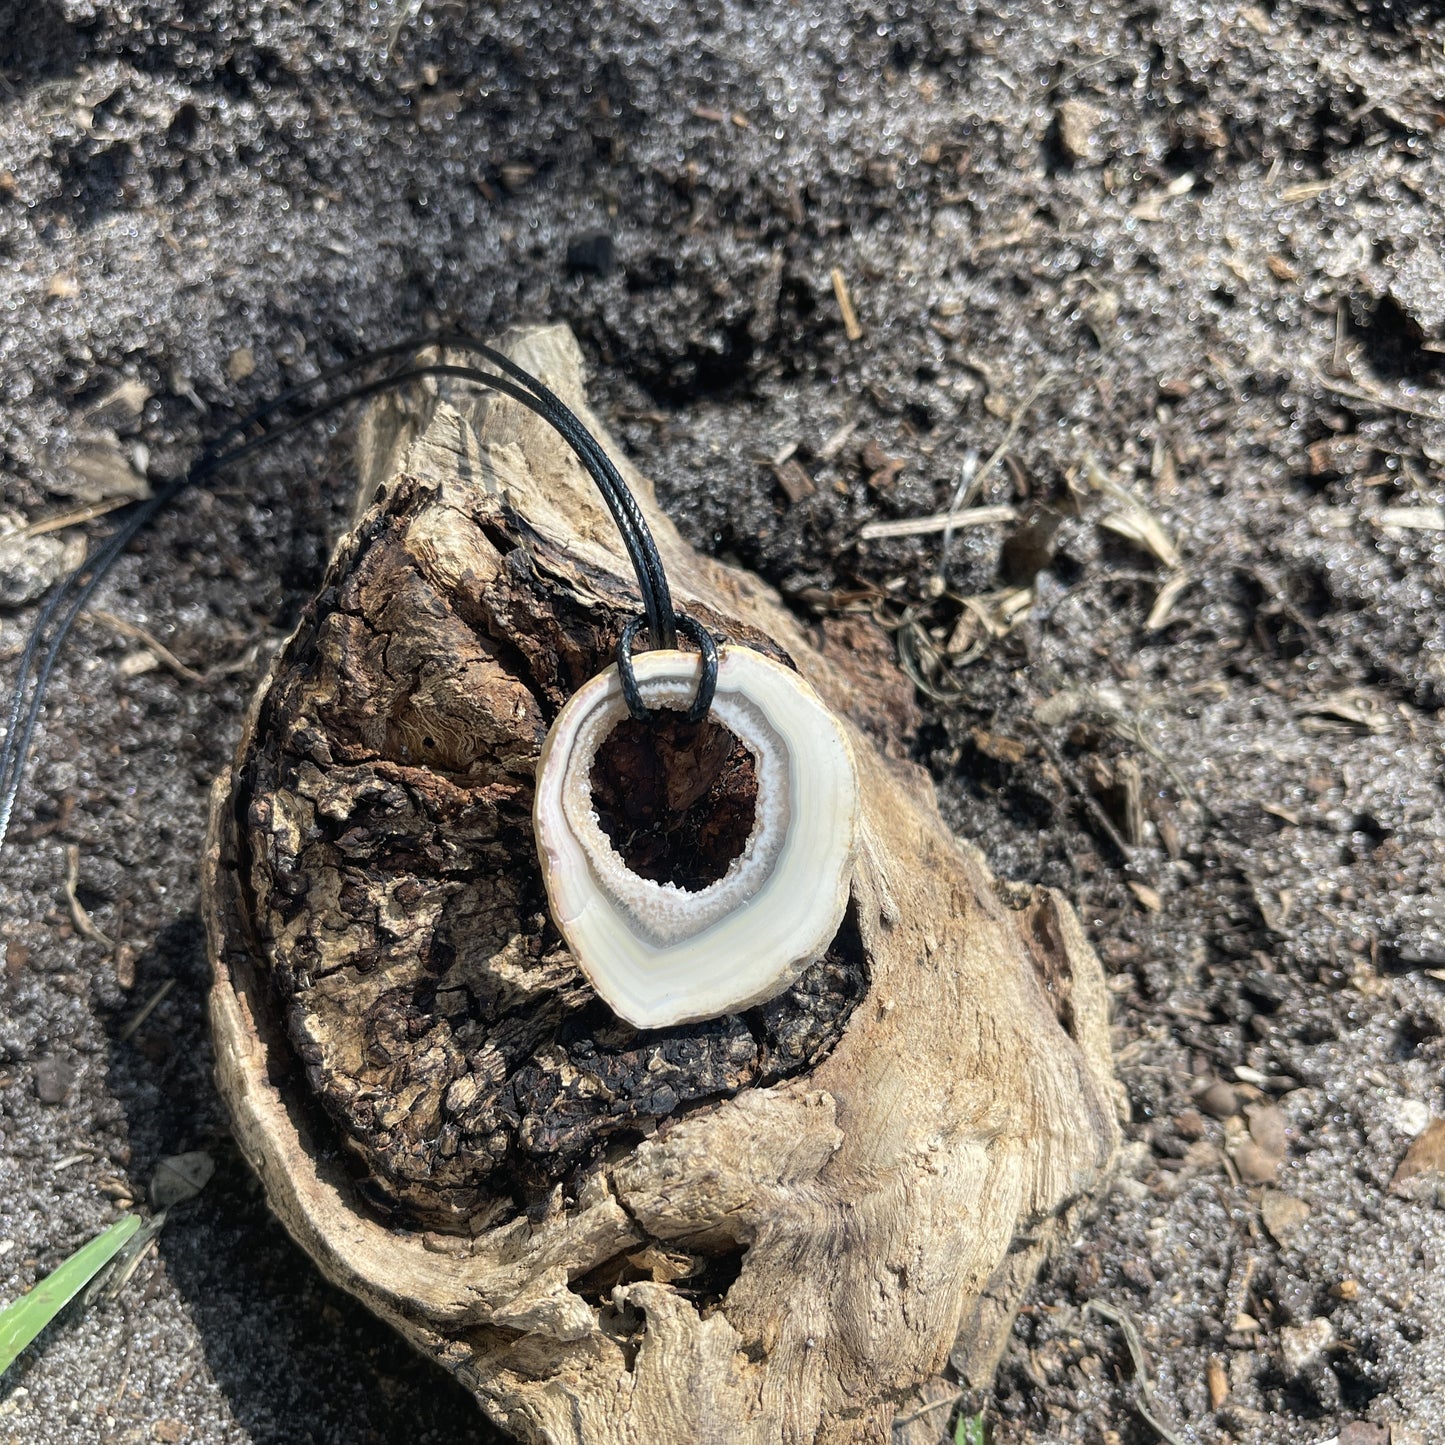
point(703, 1277)
point(676, 799)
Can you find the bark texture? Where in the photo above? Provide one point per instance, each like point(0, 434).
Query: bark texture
point(777, 1226)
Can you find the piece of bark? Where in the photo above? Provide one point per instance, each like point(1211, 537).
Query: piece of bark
point(852, 1173)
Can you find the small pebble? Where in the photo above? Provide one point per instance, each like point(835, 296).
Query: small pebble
point(1137, 1273)
point(1269, 1128)
point(1404, 1435)
point(137, 663)
point(1242, 1421)
point(1255, 1165)
point(1301, 1346)
point(1078, 124)
point(1408, 1116)
point(1203, 1154)
point(1421, 1173)
point(1219, 1100)
point(53, 1078)
point(30, 565)
point(1283, 1214)
point(592, 254)
point(1190, 1124)
point(241, 363)
point(1361, 1432)
point(1218, 1383)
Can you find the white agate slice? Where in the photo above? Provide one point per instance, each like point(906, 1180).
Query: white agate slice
point(659, 954)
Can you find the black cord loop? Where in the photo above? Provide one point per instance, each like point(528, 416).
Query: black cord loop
point(707, 680)
point(60, 610)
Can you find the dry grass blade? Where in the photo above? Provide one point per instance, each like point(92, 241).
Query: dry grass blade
point(178, 1178)
point(1343, 712)
point(82, 920)
point(61, 521)
point(947, 1402)
point(1356, 392)
point(922, 662)
point(162, 652)
point(960, 513)
point(937, 522)
point(985, 619)
point(1169, 594)
point(1144, 1381)
point(1308, 190)
point(1082, 792)
point(972, 483)
point(851, 327)
point(110, 1281)
point(1131, 519)
point(146, 1009)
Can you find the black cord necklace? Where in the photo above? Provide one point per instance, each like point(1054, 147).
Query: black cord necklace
point(68, 600)
point(656, 953)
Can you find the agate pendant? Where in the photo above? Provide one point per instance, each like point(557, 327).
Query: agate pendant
point(657, 953)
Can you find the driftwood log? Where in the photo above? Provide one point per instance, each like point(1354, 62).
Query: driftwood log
point(780, 1226)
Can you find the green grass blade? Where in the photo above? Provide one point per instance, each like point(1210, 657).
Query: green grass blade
point(23, 1320)
point(969, 1430)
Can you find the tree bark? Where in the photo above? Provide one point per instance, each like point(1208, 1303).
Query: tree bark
point(774, 1227)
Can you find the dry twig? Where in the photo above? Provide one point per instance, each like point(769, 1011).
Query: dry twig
point(162, 652)
point(146, 1009)
point(1372, 394)
point(937, 522)
point(948, 1400)
point(60, 521)
point(851, 327)
point(82, 920)
point(1144, 1402)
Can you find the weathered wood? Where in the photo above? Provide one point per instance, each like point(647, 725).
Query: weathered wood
point(770, 1228)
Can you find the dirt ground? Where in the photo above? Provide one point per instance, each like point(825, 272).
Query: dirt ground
point(1179, 265)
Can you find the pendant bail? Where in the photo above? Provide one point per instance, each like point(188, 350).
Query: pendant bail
point(706, 683)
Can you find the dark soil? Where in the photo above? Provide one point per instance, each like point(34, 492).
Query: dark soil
point(1198, 244)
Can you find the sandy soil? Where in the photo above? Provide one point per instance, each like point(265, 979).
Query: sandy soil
point(1191, 251)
